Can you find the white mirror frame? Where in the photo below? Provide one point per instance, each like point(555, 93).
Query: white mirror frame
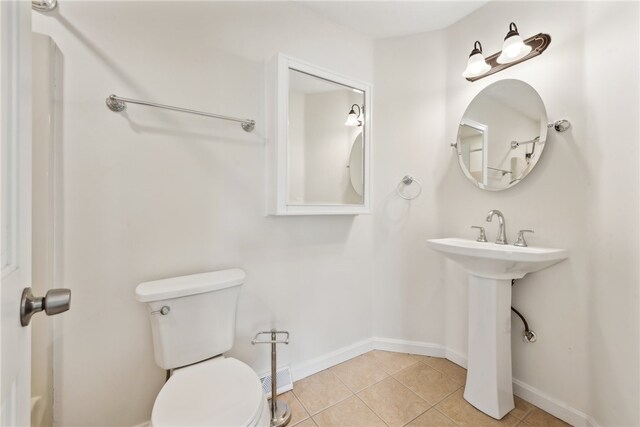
point(278, 139)
point(484, 129)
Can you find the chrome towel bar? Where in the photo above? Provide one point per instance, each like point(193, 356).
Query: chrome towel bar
point(118, 103)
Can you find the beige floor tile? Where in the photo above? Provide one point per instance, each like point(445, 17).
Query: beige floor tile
point(539, 418)
point(522, 408)
point(298, 413)
point(432, 418)
point(348, 413)
point(306, 423)
point(319, 391)
point(426, 382)
point(393, 402)
point(447, 367)
point(392, 362)
point(359, 373)
point(465, 415)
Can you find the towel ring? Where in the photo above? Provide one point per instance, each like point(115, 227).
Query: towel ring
point(406, 181)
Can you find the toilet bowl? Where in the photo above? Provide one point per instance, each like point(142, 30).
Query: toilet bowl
point(193, 324)
point(217, 392)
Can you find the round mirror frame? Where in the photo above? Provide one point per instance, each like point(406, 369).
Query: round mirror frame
point(531, 147)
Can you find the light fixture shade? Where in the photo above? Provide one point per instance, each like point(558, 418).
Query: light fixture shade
point(513, 47)
point(352, 119)
point(476, 66)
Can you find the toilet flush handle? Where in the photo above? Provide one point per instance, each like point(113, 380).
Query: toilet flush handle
point(164, 310)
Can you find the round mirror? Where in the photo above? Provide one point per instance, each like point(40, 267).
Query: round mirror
point(355, 165)
point(502, 134)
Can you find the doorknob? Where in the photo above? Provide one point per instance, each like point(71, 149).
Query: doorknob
point(56, 301)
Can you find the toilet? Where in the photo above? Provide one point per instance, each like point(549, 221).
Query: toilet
point(193, 324)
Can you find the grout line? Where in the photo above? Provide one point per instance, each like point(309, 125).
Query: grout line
point(442, 372)
point(303, 408)
point(341, 382)
point(372, 410)
point(438, 401)
point(445, 415)
point(411, 391)
point(419, 415)
point(333, 404)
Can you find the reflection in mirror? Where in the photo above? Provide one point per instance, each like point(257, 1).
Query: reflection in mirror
point(355, 165)
point(502, 134)
point(321, 161)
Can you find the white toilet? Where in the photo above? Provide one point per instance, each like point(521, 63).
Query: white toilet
point(193, 323)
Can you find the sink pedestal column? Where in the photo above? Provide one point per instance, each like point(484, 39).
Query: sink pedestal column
point(489, 383)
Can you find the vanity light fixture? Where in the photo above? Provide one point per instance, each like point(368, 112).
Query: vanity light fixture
point(514, 51)
point(477, 65)
point(513, 47)
point(354, 119)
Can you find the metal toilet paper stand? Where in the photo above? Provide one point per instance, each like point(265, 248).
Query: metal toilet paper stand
point(280, 410)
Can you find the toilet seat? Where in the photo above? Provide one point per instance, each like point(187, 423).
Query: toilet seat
point(217, 392)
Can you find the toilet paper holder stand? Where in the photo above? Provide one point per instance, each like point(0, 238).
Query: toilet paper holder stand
point(280, 410)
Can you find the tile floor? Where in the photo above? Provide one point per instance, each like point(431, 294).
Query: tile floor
point(381, 388)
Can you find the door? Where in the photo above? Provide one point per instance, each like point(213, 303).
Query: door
point(15, 192)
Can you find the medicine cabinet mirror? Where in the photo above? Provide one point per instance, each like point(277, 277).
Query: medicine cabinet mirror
point(502, 135)
point(319, 141)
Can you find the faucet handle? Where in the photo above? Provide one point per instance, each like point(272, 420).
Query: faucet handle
point(520, 240)
point(482, 237)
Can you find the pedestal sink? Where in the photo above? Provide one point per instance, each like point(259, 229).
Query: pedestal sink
point(491, 268)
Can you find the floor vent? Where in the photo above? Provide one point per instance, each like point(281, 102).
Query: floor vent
point(284, 381)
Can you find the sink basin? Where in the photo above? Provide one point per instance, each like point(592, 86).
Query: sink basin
point(491, 268)
point(497, 261)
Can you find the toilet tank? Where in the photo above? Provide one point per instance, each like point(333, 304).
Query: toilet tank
point(192, 317)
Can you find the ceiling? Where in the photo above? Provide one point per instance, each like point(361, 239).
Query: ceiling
point(383, 19)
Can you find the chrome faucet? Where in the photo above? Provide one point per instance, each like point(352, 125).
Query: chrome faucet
point(502, 235)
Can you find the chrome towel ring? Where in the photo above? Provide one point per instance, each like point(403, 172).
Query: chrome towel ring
point(406, 181)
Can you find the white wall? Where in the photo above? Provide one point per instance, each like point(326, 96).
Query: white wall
point(409, 138)
point(583, 196)
point(151, 193)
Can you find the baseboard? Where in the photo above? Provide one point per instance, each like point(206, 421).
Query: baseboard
point(330, 359)
point(376, 343)
point(552, 405)
point(413, 347)
point(531, 394)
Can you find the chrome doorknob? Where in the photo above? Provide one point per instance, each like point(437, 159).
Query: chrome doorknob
point(56, 301)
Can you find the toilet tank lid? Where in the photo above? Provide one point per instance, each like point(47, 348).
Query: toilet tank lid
point(176, 287)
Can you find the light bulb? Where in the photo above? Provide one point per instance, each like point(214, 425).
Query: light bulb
point(353, 118)
point(513, 47)
point(476, 65)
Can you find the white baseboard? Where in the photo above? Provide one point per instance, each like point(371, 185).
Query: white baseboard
point(531, 394)
point(552, 405)
point(413, 347)
point(330, 359)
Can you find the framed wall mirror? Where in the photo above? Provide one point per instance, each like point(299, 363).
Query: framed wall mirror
point(501, 135)
point(319, 141)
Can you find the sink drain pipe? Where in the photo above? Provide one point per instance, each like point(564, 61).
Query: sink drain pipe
point(528, 335)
